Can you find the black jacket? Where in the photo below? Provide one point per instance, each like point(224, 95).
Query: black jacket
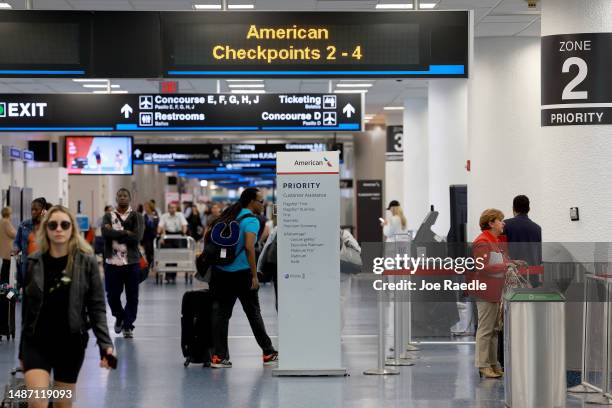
point(130, 236)
point(87, 307)
point(524, 239)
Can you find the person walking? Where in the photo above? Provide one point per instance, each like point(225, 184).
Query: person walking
point(122, 230)
point(238, 280)
point(25, 240)
point(7, 236)
point(151, 221)
point(64, 298)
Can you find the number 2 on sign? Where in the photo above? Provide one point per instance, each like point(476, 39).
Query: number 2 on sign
point(583, 69)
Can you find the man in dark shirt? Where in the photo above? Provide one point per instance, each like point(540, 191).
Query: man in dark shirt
point(524, 236)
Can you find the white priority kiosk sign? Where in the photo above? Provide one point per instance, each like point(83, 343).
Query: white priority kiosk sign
point(309, 264)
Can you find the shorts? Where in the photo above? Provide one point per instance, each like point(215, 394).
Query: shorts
point(62, 358)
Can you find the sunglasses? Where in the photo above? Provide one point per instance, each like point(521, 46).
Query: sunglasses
point(52, 225)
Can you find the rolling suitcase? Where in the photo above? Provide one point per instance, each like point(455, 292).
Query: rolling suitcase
point(8, 299)
point(196, 327)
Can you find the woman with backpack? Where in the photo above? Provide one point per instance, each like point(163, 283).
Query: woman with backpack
point(234, 277)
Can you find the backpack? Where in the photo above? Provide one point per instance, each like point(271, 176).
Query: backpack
point(269, 266)
point(221, 245)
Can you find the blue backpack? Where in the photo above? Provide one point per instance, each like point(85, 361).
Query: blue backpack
point(221, 245)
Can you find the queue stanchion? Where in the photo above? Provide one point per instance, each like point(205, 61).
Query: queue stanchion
point(381, 369)
point(398, 332)
point(584, 387)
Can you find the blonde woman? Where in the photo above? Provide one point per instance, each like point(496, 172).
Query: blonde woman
point(397, 224)
point(7, 235)
point(63, 297)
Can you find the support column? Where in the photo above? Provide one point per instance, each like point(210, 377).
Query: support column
point(415, 201)
point(447, 117)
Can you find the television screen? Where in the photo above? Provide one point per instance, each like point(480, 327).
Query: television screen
point(99, 155)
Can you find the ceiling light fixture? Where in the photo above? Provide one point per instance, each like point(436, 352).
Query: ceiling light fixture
point(113, 92)
point(427, 6)
point(5, 6)
point(246, 85)
point(240, 6)
point(100, 86)
point(244, 80)
point(350, 91)
point(89, 80)
point(248, 91)
point(394, 6)
point(361, 85)
point(393, 108)
point(207, 7)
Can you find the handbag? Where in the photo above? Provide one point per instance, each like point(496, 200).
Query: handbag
point(144, 268)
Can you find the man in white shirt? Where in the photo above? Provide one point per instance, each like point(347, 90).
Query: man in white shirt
point(172, 222)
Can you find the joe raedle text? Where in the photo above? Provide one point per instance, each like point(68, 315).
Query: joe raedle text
point(412, 265)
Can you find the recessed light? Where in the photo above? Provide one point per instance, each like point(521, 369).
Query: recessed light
point(5, 6)
point(248, 91)
point(246, 85)
point(358, 85)
point(426, 6)
point(394, 6)
point(240, 6)
point(100, 86)
point(244, 80)
point(393, 108)
point(350, 91)
point(113, 92)
point(89, 80)
point(207, 7)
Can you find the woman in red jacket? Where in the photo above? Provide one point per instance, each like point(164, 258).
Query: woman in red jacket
point(491, 249)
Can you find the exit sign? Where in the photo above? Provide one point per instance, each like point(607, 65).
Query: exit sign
point(168, 87)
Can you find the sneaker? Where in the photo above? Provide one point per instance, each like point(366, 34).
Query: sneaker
point(128, 334)
point(270, 359)
point(216, 362)
point(118, 325)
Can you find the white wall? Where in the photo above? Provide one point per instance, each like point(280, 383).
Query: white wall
point(504, 127)
point(447, 128)
point(415, 165)
point(577, 160)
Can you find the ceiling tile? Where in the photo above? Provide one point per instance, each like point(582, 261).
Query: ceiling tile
point(498, 29)
point(101, 4)
point(163, 4)
point(508, 18)
point(515, 6)
point(534, 30)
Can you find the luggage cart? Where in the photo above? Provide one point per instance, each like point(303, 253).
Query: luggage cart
point(176, 254)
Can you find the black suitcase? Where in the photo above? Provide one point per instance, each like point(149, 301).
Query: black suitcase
point(196, 327)
point(7, 314)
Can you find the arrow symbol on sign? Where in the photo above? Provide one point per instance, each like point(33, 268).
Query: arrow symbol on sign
point(127, 110)
point(348, 110)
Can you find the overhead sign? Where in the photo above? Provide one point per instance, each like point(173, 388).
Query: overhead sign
point(395, 145)
point(576, 84)
point(246, 153)
point(309, 263)
point(220, 44)
point(180, 113)
point(176, 153)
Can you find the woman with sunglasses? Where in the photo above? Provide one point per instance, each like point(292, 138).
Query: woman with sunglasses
point(63, 298)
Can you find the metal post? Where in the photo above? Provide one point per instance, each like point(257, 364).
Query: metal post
point(381, 370)
point(224, 5)
point(330, 86)
point(416, 4)
point(604, 398)
point(218, 86)
point(29, 4)
point(398, 333)
point(583, 388)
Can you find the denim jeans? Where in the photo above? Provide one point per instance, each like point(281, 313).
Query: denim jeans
point(116, 278)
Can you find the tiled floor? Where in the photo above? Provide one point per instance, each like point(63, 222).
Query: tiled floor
point(151, 372)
